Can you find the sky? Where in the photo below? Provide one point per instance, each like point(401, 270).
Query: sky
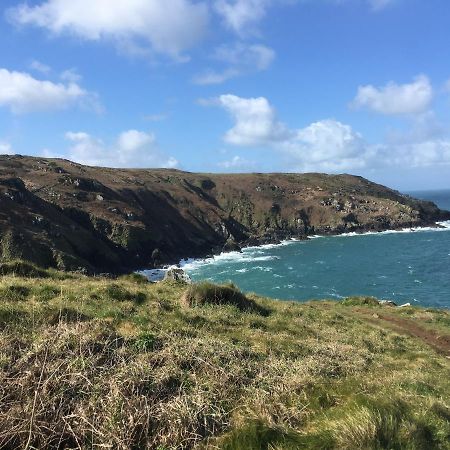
point(336, 86)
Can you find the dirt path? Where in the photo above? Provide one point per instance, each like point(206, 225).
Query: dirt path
point(440, 342)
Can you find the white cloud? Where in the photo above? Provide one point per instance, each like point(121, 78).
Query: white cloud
point(396, 99)
point(242, 16)
point(170, 26)
point(71, 76)
point(241, 59)
point(22, 93)
point(40, 67)
point(255, 121)
point(329, 145)
point(6, 148)
point(132, 148)
point(237, 163)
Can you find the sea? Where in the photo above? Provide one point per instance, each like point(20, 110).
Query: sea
point(405, 266)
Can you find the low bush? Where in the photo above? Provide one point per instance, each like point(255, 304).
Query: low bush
point(135, 278)
point(22, 269)
point(205, 293)
point(120, 294)
point(360, 301)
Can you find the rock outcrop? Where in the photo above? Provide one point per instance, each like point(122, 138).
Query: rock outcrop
point(177, 274)
point(57, 213)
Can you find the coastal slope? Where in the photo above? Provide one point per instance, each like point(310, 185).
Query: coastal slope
point(93, 362)
point(60, 214)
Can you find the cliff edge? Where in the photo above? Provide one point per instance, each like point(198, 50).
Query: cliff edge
point(60, 214)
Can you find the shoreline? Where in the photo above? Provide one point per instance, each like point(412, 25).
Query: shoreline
point(158, 273)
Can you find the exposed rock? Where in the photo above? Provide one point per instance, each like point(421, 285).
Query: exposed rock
point(231, 245)
point(61, 214)
point(177, 274)
point(388, 303)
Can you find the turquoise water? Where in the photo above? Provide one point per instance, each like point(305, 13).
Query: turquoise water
point(412, 266)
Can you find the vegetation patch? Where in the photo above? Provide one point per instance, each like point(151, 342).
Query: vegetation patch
point(119, 293)
point(85, 364)
point(22, 269)
point(360, 301)
point(205, 293)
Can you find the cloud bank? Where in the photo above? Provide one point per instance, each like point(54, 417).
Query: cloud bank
point(326, 145)
point(170, 26)
point(22, 93)
point(396, 99)
point(132, 148)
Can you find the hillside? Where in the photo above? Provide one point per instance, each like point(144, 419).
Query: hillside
point(60, 214)
point(100, 363)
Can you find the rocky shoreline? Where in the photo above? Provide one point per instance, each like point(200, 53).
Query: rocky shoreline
point(56, 213)
point(158, 273)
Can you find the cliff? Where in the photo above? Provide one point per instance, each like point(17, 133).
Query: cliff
point(57, 213)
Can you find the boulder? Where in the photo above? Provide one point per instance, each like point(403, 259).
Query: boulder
point(231, 246)
point(177, 274)
point(388, 303)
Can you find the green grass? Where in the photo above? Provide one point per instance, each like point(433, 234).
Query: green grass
point(121, 363)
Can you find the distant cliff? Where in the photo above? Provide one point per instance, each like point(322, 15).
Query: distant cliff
point(60, 214)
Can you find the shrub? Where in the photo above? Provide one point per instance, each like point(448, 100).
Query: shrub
point(116, 292)
point(360, 301)
point(22, 269)
point(205, 293)
point(136, 278)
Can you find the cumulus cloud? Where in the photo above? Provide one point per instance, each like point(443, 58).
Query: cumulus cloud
point(6, 148)
point(23, 93)
point(242, 15)
point(328, 145)
point(432, 152)
point(255, 121)
point(396, 99)
point(169, 27)
point(132, 148)
point(240, 59)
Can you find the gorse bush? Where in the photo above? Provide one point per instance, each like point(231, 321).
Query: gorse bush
point(202, 294)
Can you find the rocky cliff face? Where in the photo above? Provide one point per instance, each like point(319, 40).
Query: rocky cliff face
point(60, 214)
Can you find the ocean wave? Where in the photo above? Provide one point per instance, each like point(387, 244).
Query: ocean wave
point(257, 253)
point(441, 226)
point(226, 258)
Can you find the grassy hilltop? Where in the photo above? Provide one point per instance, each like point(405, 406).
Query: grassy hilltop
point(123, 363)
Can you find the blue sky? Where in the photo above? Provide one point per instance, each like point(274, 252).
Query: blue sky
point(356, 86)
